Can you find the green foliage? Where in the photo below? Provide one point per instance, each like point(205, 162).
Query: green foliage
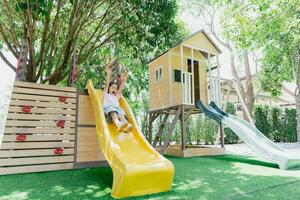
point(271, 27)
point(230, 136)
point(205, 130)
point(276, 130)
point(131, 31)
point(276, 123)
point(261, 119)
point(289, 124)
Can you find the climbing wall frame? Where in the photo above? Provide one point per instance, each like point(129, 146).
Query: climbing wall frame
point(40, 129)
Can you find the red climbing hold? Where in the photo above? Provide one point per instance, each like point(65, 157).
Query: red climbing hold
point(60, 123)
point(62, 98)
point(59, 151)
point(26, 109)
point(21, 137)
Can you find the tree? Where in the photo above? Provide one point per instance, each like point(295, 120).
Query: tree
point(272, 26)
point(55, 29)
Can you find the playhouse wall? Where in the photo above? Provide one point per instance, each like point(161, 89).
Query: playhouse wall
point(200, 41)
point(159, 90)
point(176, 64)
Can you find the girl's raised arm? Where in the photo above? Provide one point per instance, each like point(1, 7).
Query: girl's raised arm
point(123, 80)
point(108, 74)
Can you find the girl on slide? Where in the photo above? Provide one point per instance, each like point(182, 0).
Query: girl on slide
point(111, 95)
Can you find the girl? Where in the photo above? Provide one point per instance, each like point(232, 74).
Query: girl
point(111, 95)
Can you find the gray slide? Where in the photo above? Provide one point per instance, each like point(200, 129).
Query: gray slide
point(252, 137)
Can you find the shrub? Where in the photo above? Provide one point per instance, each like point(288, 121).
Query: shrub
point(261, 119)
point(289, 125)
point(230, 136)
point(275, 132)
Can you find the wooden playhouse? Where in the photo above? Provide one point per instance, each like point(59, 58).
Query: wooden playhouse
point(187, 72)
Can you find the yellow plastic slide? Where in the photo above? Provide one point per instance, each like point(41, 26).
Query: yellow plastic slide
point(137, 168)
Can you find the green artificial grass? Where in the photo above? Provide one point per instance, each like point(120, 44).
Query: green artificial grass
point(219, 177)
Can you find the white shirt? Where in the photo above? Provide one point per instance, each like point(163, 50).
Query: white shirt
point(110, 100)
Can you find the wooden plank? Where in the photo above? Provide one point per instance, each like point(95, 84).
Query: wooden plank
point(160, 130)
point(18, 109)
point(90, 156)
point(44, 86)
point(183, 128)
point(12, 138)
point(40, 117)
point(36, 123)
point(42, 104)
point(36, 160)
point(87, 148)
point(211, 151)
point(40, 98)
point(87, 132)
point(170, 131)
point(86, 113)
point(43, 92)
point(88, 144)
point(55, 130)
point(36, 145)
point(35, 168)
point(30, 152)
point(87, 139)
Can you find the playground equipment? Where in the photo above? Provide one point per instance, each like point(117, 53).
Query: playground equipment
point(137, 168)
point(49, 128)
point(252, 137)
point(178, 77)
point(53, 128)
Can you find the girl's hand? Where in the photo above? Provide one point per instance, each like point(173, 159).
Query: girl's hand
point(108, 70)
point(124, 76)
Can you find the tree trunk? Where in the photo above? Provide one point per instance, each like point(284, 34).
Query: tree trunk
point(239, 88)
point(249, 95)
point(22, 67)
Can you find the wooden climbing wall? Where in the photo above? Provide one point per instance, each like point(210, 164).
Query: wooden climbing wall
point(40, 129)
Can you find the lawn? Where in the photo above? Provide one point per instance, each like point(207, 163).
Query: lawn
point(220, 177)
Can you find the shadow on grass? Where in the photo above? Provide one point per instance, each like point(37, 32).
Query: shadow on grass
point(244, 159)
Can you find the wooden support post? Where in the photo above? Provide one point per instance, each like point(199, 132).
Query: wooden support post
point(193, 76)
point(222, 135)
point(152, 118)
point(219, 83)
point(188, 114)
point(160, 130)
point(182, 75)
point(183, 128)
point(149, 136)
point(170, 131)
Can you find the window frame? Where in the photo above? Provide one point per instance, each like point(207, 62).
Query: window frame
point(159, 73)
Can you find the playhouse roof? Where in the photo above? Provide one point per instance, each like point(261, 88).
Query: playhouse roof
point(189, 37)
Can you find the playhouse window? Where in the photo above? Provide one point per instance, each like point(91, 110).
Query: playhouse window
point(159, 73)
point(177, 75)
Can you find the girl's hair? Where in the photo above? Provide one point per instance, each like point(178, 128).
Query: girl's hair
point(113, 83)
